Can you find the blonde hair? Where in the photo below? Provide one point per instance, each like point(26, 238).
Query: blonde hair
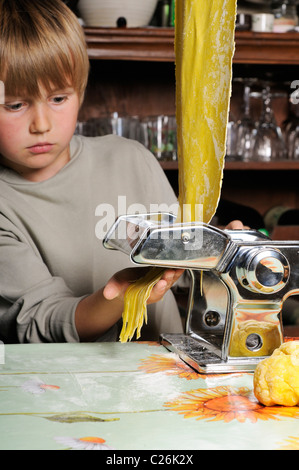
point(41, 44)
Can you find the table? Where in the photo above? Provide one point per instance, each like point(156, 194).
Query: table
point(134, 396)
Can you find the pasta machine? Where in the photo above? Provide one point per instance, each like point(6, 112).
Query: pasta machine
point(239, 280)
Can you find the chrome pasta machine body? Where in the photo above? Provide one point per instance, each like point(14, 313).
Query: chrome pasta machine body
point(238, 282)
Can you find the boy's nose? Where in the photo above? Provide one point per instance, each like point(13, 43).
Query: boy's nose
point(40, 122)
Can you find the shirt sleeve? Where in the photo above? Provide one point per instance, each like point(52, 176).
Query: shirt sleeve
point(35, 306)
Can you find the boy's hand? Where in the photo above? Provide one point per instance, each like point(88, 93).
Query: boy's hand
point(117, 285)
point(236, 225)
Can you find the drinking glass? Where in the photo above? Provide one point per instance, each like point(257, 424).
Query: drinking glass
point(269, 143)
point(161, 136)
point(246, 127)
point(293, 143)
point(125, 126)
point(290, 128)
point(231, 137)
point(86, 128)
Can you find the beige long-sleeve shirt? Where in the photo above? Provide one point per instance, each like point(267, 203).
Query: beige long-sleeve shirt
point(51, 252)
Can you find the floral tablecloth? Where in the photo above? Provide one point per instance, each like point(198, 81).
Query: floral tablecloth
point(135, 396)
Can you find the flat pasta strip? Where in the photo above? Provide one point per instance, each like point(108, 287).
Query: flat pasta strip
point(204, 47)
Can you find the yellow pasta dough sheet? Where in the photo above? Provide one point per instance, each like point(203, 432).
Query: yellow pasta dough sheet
point(204, 48)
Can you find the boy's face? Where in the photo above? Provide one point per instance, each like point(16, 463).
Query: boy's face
point(35, 133)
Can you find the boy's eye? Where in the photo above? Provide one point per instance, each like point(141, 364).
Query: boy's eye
point(14, 106)
point(59, 99)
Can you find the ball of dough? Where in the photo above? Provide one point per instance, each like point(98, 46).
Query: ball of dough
point(276, 378)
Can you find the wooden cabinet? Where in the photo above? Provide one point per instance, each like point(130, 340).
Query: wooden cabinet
point(133, 72)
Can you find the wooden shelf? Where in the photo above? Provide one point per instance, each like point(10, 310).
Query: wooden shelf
point(279, 165)
point(267, 48)
point(157, 44)
point(274, 165)
point(146, 44)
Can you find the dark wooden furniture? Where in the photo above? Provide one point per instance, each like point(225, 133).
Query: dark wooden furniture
point(133, 72)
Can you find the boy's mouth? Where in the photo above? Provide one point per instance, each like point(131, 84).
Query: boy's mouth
point(42, 147)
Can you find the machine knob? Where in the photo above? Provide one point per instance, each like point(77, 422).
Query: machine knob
point(264, 270)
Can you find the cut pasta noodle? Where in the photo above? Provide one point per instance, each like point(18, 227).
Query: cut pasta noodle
point(204, 47)
point(135, 312)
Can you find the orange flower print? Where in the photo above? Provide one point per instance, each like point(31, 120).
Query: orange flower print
point(226, 404)
point(149, 343)
point(37, 386)
point(292, 443)
point(170, 363)
point(84, 443)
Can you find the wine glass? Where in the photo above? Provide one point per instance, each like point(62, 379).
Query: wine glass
point(290, 128)
point(246, 127)
point(231, 137)
point(269, 143)
point(293, 143)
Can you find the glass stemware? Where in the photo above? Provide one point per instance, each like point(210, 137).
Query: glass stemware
point(160, 136)
point(245, 127)
point(269, 143)
point(290, 128)
point(293, 143)
point(231, 137)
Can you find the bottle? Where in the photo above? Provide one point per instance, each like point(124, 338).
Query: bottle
point(163, 9)
point(285, 16)
point(172, 13)
point(272, 216)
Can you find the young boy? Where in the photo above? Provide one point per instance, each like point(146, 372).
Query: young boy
point(54, 189)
